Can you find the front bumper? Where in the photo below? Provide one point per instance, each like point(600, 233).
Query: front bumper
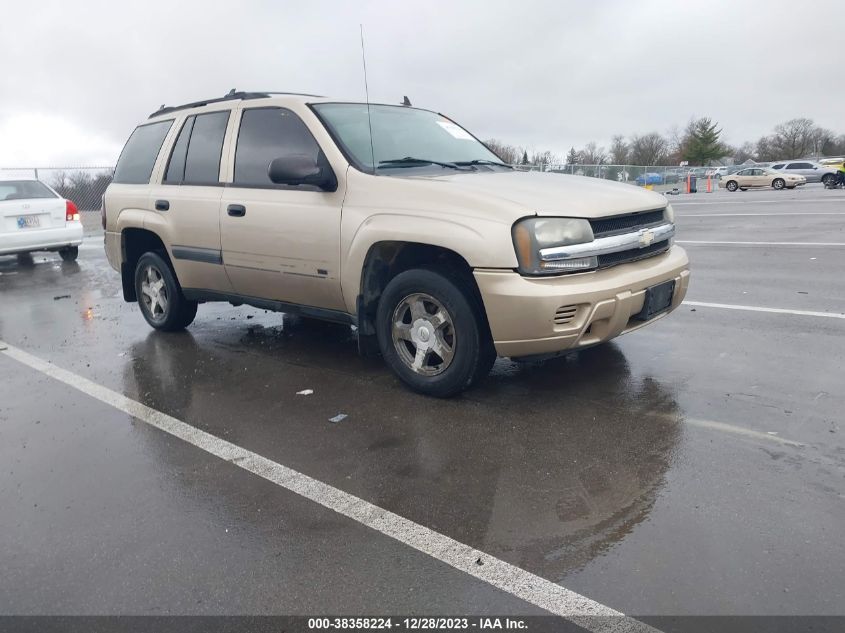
point(531, 316)
point(42, 239)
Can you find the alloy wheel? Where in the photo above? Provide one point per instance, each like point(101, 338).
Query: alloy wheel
point(423, 334)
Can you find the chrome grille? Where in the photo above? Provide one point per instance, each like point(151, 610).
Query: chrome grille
point(632, 255)
point(629, 223)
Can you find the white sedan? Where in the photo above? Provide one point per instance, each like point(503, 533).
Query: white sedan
point(33, 217)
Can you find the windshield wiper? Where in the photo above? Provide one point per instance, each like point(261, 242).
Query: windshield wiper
point(481, 161)
point(411, 161)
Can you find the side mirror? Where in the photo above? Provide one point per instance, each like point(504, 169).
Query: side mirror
point(298, 169)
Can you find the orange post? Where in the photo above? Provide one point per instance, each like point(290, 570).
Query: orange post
point(688, 182)
point(709, 190)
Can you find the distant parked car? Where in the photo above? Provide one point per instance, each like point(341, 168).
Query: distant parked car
point(754, 177)
point(834, 163)
point(33, 217)
point(718, 172)
point(649, 178)
point(813, 172)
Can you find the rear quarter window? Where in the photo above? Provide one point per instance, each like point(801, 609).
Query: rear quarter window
point(135, 165)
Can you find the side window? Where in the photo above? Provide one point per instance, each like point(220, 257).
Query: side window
point(202, 162)
point(799, 166)
point(267, 134)
point(175, 173)
point(135, 165)
point(778, 166)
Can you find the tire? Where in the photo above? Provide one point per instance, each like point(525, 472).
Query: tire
point(177, 313)
point(778, 183)
point(731, 185)
point(423, 310)
point(828, 179)
point(792, 187)
point(69, 253)
point(743, 188)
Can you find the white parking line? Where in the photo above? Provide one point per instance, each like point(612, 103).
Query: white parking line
point(730, 306)
point(740, 215)
point(717, 243)
point(840, 200)
point(495, 572)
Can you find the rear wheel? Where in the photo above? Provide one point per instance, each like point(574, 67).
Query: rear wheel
point(160, 296)
point(743, 188)
point(69, 253)
point(828, 179)
point(778, 183)
point(731, 185)
point(432, 333)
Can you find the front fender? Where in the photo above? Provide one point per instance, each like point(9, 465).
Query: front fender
point(483, 244)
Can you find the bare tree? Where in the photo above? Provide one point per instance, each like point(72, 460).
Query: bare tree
point(793, 139)
point(544, 159)
point(619, 150)
point(592, 154)
point(648, 149)
point(508, 153)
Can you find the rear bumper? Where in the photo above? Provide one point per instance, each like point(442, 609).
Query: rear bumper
point(599, 305)
point(41, 240)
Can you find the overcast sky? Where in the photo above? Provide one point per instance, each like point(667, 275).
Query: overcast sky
point(78, 76)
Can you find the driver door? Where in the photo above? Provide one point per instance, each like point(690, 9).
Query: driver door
point(279, 242)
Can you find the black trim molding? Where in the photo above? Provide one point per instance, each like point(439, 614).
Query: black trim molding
point(194, 254)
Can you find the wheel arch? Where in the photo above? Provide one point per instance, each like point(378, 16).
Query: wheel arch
point(386, 259)
point(134, 243)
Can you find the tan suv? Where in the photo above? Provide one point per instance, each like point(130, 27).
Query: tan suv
point(390, 218)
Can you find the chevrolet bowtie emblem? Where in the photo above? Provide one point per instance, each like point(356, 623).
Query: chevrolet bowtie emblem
point(646, 238)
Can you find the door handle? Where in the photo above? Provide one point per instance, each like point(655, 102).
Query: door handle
point(236, 210)
point(162, 205)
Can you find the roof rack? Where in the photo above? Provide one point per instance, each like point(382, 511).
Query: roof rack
point(232, 95)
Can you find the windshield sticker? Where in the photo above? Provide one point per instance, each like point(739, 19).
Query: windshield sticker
point(455, 130)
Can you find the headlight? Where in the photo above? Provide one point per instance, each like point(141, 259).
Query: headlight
point(669, 214)
point(533, 234)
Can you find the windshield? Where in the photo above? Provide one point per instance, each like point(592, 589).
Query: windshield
point(400, 133)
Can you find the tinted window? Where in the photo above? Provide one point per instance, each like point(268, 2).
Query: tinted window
point(799, 166)
point(778, 166)
point(744, 172)
point(176, 167)
point(24, 190)
point(135, 165)
point(202, 165)
point(266, 134)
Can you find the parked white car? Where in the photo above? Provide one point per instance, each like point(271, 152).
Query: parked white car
point(33, 217)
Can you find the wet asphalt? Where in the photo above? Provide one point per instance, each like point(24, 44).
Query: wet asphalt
point(696, 466)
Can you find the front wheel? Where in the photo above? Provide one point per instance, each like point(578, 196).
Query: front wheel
point(432, 333)
point(69, 253)
point(778, 183)
point(828, 179)
point(731, 185)
point(161, 300)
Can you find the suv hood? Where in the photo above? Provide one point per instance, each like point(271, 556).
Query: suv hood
point(548, 194)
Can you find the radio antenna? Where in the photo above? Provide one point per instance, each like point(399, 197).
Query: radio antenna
point(367, 93)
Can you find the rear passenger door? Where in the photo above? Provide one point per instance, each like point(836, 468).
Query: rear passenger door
point(804, 169)
point(187, 202)
point(280, 242)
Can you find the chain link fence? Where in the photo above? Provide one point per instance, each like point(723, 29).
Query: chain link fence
point(86, 185)
point(658, 177)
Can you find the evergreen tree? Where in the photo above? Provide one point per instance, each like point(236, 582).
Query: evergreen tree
point(572, 158)
point(525, 157)
point(702, 143)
